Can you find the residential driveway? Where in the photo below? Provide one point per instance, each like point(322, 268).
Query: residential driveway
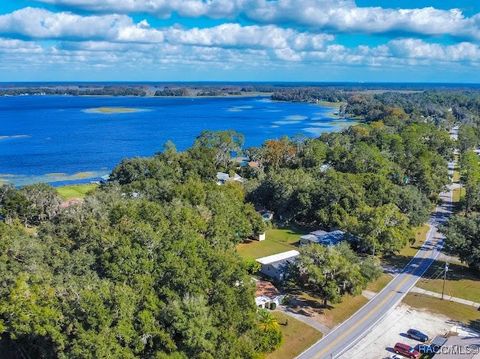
point(306, 319)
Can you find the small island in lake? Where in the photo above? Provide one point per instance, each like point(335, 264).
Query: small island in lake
point(113, 110)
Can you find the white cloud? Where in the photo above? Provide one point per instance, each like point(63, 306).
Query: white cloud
point(107, 40)
point(235, 35)
point(413, 52)
point(418, 49)
point(18, 46)
point(96, 58)
point(161, 8)
point(43, 24)
point(340, 15)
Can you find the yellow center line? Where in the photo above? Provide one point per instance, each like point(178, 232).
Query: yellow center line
point(376, 309)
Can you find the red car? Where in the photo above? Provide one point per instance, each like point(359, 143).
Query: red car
point(406, 350)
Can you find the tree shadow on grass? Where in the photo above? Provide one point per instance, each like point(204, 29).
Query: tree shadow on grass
point(302, 300)
point(397, 261)
point(455, 271)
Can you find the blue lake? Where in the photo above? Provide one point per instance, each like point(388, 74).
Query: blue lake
point(59, 139)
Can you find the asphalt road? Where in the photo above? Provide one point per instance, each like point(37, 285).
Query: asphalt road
point(357, 326)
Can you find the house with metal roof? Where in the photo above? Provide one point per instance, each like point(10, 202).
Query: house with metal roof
point(276, 266)
point(223, 178)
point(328, 239)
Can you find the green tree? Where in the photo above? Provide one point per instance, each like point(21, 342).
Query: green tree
point(269, 331)
point(44, 202)
point(463, 239)
point(470, 178)
point(327, 272)
point(223, 143)
point(414, 204)
point(381, 229)
point(32, 204)
point(468, 138)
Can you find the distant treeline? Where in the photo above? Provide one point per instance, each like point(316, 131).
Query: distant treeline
point(211, 91)
point(437, 105)
point(135, 90)
point(74, 91)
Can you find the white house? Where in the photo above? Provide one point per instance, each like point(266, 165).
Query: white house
point(275, 266)
point(223, 178)
point(328, 239)
point(325, 168)
point(266, 293)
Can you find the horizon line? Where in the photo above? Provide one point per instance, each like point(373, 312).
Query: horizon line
point(242, 82)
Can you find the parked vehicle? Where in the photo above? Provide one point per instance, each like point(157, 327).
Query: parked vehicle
point(406, 350)
point(417, 335)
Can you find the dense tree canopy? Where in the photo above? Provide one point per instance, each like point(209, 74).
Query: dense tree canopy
point(470, 178)
point(332, 272)
point(145, 267)
point(463, 239)
point(375, 180)
point(31, 205)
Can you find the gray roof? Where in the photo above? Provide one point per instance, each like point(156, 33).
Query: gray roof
point(278, 258)
point(223, 176)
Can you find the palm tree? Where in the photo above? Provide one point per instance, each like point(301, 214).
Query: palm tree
point(266, 321)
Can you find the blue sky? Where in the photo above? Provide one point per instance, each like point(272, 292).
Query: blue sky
point(240, 40)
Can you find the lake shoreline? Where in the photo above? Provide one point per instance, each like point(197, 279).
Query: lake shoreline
point(229, 96)
point(36, 151)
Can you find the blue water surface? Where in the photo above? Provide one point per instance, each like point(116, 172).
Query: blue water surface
point(56, 139)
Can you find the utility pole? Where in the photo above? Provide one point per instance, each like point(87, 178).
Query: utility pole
point(444, 279)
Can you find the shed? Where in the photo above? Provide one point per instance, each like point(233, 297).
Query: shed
point(261, 237)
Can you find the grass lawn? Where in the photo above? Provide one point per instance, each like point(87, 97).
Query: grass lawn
point(461, 281)
point(331, 104)
point(380, 283)
point(335, 313)
point(406, 254)
point(344, 310)
point(459, 312)
point(297, 337)
point(458, 194)
point(277, 241)
point(76, 191)
point(456, 176)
